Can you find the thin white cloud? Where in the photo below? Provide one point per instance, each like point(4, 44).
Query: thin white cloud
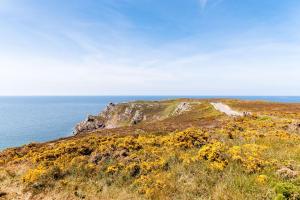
point(112, 61)
point(254, 69)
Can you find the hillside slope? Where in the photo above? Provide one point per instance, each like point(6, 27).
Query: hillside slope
point(132, 113)
point(175, 149)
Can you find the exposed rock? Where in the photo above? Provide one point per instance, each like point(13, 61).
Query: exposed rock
point(294, 127)
point(124, 114)
point(287, 173)
point(181, 107)
point(128, 112)
point(247, 114)
point(107, 112)
point(110, 117)
point(90, 124)
point(138, 117)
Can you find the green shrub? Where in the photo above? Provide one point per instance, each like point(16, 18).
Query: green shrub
point(287, 191)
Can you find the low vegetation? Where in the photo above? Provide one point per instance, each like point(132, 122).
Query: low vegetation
point(202, 155)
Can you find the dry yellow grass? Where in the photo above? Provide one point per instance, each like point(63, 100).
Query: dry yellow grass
point(201, 154)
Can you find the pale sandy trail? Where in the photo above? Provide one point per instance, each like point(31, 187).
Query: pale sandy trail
point(226, 109)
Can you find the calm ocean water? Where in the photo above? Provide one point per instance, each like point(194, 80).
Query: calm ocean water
point(38, 119)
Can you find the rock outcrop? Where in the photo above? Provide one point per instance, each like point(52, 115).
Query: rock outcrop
point(90, 124)
point(137, 117)
point(181, 107)
point(132, 113)
point(287, 173)
point(108, 111)
point(294, 127)
point(116, 115)
point(95, 122)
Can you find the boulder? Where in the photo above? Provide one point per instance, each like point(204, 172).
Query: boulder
point(90, 124)
point(287, 173)
point(138, 117)
point(247, 114)
point(181, 107)
point(294, 127)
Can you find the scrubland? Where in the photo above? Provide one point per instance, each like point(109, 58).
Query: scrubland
point(200, 154)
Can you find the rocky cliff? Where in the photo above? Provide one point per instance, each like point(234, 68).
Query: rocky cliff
point(132, 113)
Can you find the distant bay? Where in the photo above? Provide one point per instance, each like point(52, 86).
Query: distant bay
point(38, 119)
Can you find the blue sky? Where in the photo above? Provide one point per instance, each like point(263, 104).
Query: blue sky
point(149, 47)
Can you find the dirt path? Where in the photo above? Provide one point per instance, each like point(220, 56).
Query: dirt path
point(226, 109)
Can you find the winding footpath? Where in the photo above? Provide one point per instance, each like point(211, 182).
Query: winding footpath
point(227, 110)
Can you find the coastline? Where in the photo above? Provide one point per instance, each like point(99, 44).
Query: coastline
point(98, 107)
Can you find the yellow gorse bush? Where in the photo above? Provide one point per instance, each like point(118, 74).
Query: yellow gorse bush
point(33, 175)
point(188, 139)
point(142, 155)
point(261, 179)
point(147, 163)
point(215, 154)
point(250, 155)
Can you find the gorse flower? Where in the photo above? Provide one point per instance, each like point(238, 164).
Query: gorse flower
point(156, 165)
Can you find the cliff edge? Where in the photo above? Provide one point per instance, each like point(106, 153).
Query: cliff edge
point(131, 113)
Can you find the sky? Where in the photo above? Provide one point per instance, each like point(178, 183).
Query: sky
point(149, 47)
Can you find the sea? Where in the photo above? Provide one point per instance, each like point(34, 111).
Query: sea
point(38, 119)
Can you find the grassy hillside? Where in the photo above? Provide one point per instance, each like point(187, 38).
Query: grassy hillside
point(198, 154)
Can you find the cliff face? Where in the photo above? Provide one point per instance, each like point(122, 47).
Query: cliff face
point(132, 113)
